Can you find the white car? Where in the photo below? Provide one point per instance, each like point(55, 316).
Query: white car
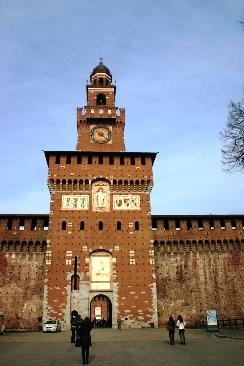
point(52, 325)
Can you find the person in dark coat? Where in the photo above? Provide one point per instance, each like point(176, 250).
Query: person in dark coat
point(79, 321)
point(73, 328)
point(85, 339)
point(171, 329)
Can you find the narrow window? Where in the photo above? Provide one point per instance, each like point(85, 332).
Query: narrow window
point(100, 159)
point(233, 224)
point(211, 224)
point(9, 224)
point(75, 282)
point(79, 159)
point(118, 225)
point(200, 224)
point(177, 224)
point(154, 224)
point(68, 159)
point(100, 225)
point(122, 161)
point(111, 160)
point(137, 225)
point(63, 225)
point(82, 225)
point(166, 224)
point(57, 161)
point(143, 161)
point(132, 160)
point(222, 224)
point(189, 226)
point(33, 224)
point(89, 159)
point(22, 224)
point(100, 81)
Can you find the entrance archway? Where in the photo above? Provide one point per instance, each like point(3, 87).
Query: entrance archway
point(101, 311)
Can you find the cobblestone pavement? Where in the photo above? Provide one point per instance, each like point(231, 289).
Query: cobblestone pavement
point(126, 347)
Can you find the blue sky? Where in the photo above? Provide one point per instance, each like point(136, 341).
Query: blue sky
point(176, 63)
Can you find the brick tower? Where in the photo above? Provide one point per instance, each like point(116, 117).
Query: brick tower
point(100, 254)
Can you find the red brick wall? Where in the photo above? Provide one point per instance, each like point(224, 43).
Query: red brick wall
point(200, 268)
point(22, 269)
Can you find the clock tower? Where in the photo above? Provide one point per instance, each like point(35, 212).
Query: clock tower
point(100, 254)
point(100, 128)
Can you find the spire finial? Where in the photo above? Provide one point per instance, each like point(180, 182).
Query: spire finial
point(101, 59)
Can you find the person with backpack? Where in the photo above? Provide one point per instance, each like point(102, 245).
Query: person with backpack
point(171, 329)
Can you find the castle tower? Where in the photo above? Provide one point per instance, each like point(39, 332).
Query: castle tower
point(100, 254)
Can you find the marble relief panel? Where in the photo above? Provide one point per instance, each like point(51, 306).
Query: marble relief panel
point(126, 202)
point(75, 202)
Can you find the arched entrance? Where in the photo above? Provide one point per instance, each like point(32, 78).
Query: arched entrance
point(101, 311)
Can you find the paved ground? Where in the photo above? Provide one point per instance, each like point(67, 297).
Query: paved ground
point(128, 347)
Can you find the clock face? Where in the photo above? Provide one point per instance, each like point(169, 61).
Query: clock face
point(101, 134)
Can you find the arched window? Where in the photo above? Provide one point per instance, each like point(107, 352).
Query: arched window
point(137, 225)
point(100, 81)
point(118, 225)
point(101, 99)
point(82, 225)
point(63, 225)
point(100, 225)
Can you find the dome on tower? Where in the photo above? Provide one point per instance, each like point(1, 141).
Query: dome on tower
point(101, 68)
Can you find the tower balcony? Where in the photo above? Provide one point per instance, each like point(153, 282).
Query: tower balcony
point(100, 112)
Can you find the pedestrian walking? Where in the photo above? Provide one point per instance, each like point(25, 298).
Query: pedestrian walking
point(181, 324)
point(85, 339)
point(119, 323)
point(73, 328)
point(79, 321)
point(171, 329)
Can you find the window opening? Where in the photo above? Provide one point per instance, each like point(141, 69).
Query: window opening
point(122, 160)
point(89, 159)
point(177, 224)
point(68, 159)
point(111, 160)
point(189, 226)
point(79, 161)
point(33, 224)
point(22, 224)
point(101, 99)
point(9, 224)
point(100, 159)
point(200, 224)
point(154, 224)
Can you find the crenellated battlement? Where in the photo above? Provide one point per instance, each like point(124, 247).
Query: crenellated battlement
point(100, 112)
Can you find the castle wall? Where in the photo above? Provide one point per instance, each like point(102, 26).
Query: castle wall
point(199, 266)
point(22, 254)
point(198, 260)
